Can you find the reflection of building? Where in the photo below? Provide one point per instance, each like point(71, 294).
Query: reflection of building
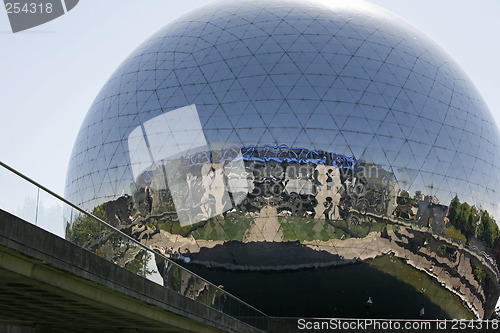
point(281, 141)
point(432, 216)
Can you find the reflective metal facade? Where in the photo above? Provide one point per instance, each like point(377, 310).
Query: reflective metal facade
point(341, 129)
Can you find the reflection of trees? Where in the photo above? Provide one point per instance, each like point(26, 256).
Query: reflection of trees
point(488, 230)
point(480, 274)
point(406, 206)
point(86, 231)
point(453, 233)
point(100, 239)
point(185, 283)
point(471, 222)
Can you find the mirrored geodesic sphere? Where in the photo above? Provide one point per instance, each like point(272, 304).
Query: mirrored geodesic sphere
point(277, 143)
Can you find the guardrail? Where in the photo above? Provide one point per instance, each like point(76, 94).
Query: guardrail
point(30, 201)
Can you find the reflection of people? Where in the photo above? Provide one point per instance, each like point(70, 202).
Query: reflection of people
point(215, 200)
point(328, 204)
point(329, 180)
point(186, 257)
point(149, 200)
point(202, 290)
point(328, 192)
point(219, 298)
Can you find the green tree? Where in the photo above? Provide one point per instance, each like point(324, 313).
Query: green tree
point(453, 233)
point(463, 216)
point(111, 245)
point(488, 230)
point(479, 274)
point(86, 232)
point(470, 224)
point(465, 219)
point(454, 208)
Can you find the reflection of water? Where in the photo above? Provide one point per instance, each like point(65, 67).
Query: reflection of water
point(422, 283)
point(342, 291)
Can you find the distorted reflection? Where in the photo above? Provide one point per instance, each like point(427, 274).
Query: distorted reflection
point(219, 203)
point(199, 191)
point(305, 157)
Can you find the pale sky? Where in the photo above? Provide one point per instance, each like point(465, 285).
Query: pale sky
point(50, 75)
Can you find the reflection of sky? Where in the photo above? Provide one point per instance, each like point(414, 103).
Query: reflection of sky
point(168, 136)
point(86, 51)
point(24, 200)
point(161, 141)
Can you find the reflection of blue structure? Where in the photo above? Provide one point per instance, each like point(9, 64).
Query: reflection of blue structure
point(278, 154)
point(300, 155)
point(224, 103)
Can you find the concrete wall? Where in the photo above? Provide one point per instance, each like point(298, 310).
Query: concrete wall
point(94, 287)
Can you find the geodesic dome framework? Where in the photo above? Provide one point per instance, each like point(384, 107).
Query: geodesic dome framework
point(334, 133)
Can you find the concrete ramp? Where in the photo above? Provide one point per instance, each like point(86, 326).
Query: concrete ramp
point(51, 285)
